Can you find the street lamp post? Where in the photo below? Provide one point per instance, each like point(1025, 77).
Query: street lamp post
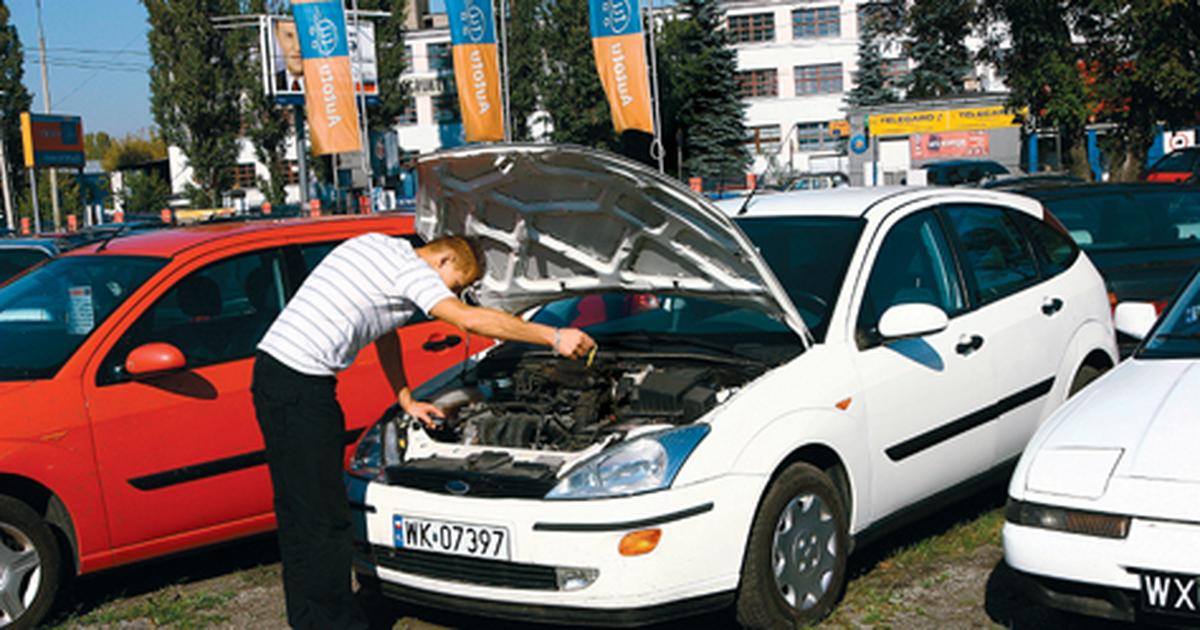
point(8, 209)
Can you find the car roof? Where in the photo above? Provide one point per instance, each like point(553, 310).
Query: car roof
point(865, 202)
point(49, 245)
point(1059, 191)
point(174, 241)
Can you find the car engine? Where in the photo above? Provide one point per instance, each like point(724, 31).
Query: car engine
point(542, 402)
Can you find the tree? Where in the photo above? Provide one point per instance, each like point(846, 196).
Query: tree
point(525, 58)
point(96, 144)
point(569, 89)
point(1141, 68)
point(1041, 66)
point(144, 193)
point(267, 124)
point(872, 86)
point(702, 112)
point(938, 32)
point(133, 150)
point(394, 96)
point(14, 99)
point(196, 90)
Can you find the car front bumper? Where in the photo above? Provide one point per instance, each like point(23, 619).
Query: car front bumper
point(1099, 576)
point(694, 568)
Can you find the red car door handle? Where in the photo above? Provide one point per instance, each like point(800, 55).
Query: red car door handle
point(438, 343)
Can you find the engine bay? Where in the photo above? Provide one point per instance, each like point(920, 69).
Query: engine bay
point(537, 401)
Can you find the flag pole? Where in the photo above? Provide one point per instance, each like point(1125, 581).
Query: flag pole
point(361, 88)
point(504, 70)
point(656, 146)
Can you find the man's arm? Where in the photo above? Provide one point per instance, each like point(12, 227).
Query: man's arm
point(391, 359)
point(569, 342)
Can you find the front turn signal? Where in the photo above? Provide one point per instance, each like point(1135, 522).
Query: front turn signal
point(640, 542)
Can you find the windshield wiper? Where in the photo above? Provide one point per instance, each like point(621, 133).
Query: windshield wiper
point(674, 339)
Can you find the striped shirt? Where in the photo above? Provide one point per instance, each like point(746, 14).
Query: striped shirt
point(365, 287)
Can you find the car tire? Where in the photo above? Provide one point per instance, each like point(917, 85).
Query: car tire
point(1086, 374)
point(799, 541)
point(30, 566)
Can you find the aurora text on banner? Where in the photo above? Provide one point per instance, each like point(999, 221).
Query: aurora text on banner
point(476, 68)
point(620, 49)
point(328, 85)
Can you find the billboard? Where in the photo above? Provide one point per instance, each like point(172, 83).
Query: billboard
point(949, 144)
point(52, 141)
point(935, 121)
point(283, 65)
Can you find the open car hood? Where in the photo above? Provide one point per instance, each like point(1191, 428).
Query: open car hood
point(555, 221)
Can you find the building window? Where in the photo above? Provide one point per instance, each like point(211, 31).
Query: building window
point(817, 136)
point(758, 27)
point(894, 71)
point(408, 59)
point(244, 177)
point(758, 83)
point(445, 108)
point(825, 78)
point(763, 139)
point(291, 169)
point(408, 116)
point(440, 57)
point(818, 22)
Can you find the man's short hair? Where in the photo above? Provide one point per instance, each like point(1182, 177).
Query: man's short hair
point(468, 258)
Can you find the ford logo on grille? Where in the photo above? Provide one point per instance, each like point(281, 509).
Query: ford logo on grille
point(458, 487)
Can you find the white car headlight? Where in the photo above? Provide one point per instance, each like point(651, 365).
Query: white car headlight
point(644, 464)
point(380, 447)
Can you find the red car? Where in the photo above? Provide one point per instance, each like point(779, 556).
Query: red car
point(125, 367)
point(1180, 165)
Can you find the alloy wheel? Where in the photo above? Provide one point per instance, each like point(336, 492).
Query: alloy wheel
point(20, 573)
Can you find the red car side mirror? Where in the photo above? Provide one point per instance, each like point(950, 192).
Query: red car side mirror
point(154, 358)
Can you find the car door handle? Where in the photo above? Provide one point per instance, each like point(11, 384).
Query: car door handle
point(1051, 305)
point(437, 343)
point(968, 344)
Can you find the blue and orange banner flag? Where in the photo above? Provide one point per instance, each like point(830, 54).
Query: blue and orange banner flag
point(476, 68)
point(328, 85)
point(620, 48)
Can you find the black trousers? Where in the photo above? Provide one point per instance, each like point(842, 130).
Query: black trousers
point(303, 429)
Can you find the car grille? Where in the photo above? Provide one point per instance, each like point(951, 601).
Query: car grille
point(470, 570)
point(438, 475)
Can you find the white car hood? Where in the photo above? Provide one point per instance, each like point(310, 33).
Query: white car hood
point(1149, 410)
point(556, 221)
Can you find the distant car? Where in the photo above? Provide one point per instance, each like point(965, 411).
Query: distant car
point(19, 254)
point(817, 181)
point(1018, 183)
point(128, 430)
point(956, 172)
point(1181, 165)
point(771, 388)
point(1144, 238)
point(1104, 507)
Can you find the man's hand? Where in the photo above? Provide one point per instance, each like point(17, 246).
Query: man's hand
point(427, 413)
point(573, 343)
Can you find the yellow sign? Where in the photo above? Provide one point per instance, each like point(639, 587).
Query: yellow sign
point(935, 121)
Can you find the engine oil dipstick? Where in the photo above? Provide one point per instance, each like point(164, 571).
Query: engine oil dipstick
point(592, 355)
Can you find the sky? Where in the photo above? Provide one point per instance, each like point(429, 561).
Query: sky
point(98, 60)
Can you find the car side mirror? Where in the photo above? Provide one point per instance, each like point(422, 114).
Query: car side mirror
point(902, 321)
point(1135, 318)
point(152, 359)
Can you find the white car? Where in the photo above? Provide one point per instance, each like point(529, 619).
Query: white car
point(1104, 507)
point(768, 390)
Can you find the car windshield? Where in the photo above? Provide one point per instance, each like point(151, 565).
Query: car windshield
point(14, 260)
point(1131, 219)
point(1178, 335)
point(809, 256)
point(47, 313)
point(1177, 162)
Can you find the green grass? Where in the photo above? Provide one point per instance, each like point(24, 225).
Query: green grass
point(874, 599)
point(175, 609)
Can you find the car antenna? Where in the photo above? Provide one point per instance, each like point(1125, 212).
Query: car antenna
point(746, 204)
point(115, 234)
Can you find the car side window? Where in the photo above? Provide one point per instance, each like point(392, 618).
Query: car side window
point(1054, 248)
point(996, 257)
point(213, 315)
point(914, 265)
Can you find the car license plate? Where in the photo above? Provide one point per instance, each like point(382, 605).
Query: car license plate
point(1171, 594)
point(460, 539)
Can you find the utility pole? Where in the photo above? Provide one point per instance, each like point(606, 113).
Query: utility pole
point(46, 109)
point(10, 221)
